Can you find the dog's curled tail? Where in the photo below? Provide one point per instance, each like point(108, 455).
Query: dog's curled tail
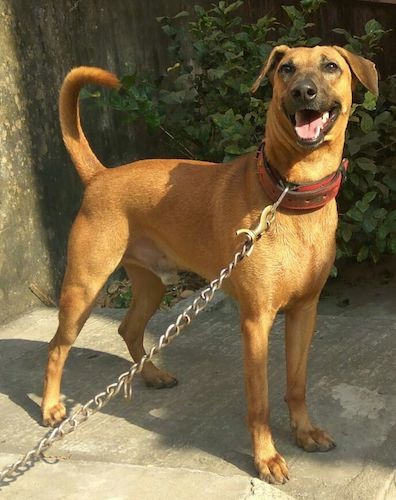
point(84, 159)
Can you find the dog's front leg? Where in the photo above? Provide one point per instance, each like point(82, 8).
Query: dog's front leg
point(300, 326)
point(256, 328)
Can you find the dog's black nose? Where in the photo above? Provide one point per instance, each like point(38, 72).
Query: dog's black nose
point(304, 91)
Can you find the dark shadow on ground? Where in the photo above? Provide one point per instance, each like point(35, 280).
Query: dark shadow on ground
point(89, 371)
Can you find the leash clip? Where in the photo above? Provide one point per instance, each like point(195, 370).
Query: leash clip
point(267, 217)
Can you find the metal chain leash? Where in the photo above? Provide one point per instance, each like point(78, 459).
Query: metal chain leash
point(124, 381)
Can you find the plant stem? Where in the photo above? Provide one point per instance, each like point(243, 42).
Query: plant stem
point(186, 150)
point(386, 146)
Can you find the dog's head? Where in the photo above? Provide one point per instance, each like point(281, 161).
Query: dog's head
point(312, 88)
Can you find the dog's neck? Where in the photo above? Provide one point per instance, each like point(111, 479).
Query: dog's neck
point(307, 165)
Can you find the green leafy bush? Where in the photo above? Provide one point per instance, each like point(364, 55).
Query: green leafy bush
point(204, 108)
point(368, 200)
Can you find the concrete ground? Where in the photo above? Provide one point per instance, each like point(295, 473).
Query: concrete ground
point(191, 442)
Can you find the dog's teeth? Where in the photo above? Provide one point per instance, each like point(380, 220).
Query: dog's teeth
point(325, 117)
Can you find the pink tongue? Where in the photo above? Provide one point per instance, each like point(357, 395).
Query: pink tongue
point(306, 126)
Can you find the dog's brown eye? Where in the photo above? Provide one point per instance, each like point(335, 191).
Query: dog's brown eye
point(287, 69)
point(331, 67)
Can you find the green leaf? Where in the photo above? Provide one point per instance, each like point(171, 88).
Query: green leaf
point(383, 231)
point(355, 214)
point(200, 11)
point(362, 254)
point(311, 42)
point(375, 254)
point(244, 88)
point(233, 149)
point(390, 180)
point(177, 97)
point(383, 117)
point(169, 30)
point(362, 206)
point(355, 179)
point(391, 219)
point(372, 26)
point(346, 233)
point(369, 224)
point(293, 13)
point(369, 197)
point(392, 244)
point(233, 6)
point(366, 123)
point(370, 101)
point(358, 142)
point(216, 73)
point(340, 31)
point(183, 13)
point(334, 272)
point(384, 190)
point(366, 164)
point(380, 213)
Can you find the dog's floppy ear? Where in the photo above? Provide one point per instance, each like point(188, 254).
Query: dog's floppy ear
point(363, 69)
point(269, 65)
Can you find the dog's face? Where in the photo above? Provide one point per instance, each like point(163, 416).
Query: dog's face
point(312, 88)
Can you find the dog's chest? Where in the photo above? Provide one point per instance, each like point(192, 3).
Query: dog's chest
point(303, 247)
point(291, 262)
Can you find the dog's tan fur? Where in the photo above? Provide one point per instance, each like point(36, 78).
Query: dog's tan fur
point(155, 217)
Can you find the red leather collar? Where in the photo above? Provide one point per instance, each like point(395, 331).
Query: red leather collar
point(307, 196)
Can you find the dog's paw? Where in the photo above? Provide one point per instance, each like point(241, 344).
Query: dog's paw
point(159, 379)
point(314, 439)
point(273, 470)
point(53, 415)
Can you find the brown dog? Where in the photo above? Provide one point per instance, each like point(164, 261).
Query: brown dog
point(156, 217)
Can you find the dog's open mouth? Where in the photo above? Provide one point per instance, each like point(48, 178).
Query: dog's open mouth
point(311, 126)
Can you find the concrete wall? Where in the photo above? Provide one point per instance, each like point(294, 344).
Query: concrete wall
point(39, 42)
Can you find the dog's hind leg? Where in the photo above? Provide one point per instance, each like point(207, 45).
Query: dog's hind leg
point(147, 293)
point(93, 253)
point(300, 326)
